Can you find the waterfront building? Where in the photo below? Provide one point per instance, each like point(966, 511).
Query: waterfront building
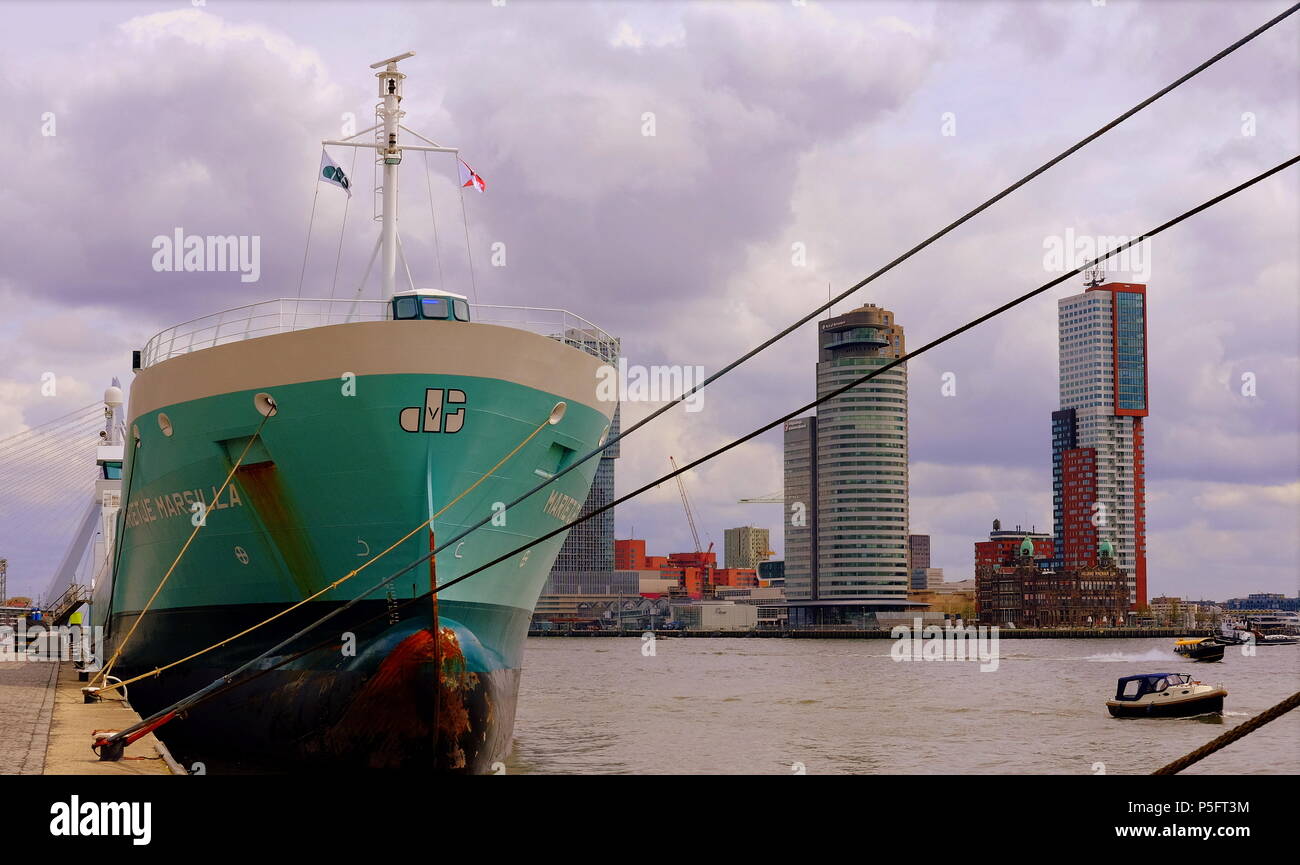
point(772, 574)
point(716, 616)
point(1098, 465)
point(693, 572)
point(587, 582)
point(918, 552)
point(589, 545)
point(926, 578)
point(620, 583)
point(580, 596)
point(1177, 613)
point(654, 584)
point(770, 601)
point(606, 611)
point(735, 577)
point(746, 546)
point(1263, 601)
point(953, 605)
point(800, 522)
point(629, 554)
point(689, 574)
point(1027, 594)
point(846, 480)
point(1003, 545)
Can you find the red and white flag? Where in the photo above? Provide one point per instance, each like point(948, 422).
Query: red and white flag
point(469, 178)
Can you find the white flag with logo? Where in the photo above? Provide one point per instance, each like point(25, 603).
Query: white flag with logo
point(331, 173)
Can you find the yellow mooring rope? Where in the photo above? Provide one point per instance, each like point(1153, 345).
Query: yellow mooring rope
point(340, 581)
point(102, 676)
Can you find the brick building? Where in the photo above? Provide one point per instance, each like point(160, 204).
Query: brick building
point(1027, 595)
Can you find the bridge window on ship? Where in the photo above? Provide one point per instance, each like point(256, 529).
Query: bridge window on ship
point(433, 307)
point(461, 310)
point(406, 308)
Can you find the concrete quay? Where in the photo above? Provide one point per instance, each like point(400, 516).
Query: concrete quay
point(46, 728)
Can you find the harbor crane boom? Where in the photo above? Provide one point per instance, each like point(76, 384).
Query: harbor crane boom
point(686, 503)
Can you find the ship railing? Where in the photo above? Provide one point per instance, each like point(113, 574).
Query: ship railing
point(283, 315)
point(68, 602)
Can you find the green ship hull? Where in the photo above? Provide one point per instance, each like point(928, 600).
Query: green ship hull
point(373, 428)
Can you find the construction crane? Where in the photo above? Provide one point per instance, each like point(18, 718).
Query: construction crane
point(686, 504)
point(776, 498)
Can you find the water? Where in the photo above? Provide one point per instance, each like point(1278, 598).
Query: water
point(767, 706)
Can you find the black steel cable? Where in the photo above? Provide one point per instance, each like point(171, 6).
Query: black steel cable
point(881, 369)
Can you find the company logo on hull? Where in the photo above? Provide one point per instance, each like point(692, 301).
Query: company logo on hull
point(434, 416)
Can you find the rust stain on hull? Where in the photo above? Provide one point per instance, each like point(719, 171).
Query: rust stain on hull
point(269, 500)
point(414, 708)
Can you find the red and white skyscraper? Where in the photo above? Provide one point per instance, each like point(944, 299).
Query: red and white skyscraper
point(1098, 466)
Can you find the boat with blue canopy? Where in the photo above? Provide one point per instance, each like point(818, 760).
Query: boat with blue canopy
point(1164, 695)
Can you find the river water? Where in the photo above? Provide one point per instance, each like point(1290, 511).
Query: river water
point(781, 706)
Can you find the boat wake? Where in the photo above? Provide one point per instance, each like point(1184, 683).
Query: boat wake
point(1129, 657)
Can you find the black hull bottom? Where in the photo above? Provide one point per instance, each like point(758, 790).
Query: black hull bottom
point(1180, 709)
point(1214, 653)
point(386, 696)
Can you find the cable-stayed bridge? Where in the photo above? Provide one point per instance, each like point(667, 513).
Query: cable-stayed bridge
point(49, 514)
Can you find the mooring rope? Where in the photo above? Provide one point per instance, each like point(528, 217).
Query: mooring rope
point(1231, 736)
point(336, 583)
point(103, 674)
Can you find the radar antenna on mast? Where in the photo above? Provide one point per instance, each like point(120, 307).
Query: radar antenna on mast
point(1094, 276)
point(392, 61)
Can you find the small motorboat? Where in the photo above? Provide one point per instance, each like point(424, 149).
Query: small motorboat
point(1164, 695)
point(1200, 649)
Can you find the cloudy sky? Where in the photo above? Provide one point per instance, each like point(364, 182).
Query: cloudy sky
point(852, 128)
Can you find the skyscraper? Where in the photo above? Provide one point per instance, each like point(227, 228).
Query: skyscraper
point(918, 552)
point(846, 474)
point(589, 547)
point(746, 546)
point(1098, 465)
point(800, 508)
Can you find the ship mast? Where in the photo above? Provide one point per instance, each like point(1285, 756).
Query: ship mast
point(389, 114)
point(390, 90)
